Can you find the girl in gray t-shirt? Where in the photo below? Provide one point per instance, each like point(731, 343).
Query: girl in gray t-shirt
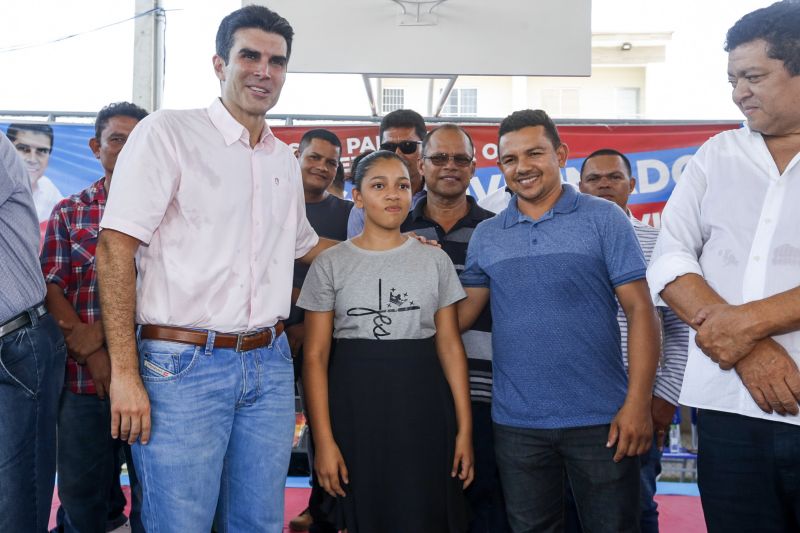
point(389, 401)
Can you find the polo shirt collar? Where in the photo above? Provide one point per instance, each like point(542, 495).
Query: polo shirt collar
point(473, 214)
point(231, 129)
point(566, 203)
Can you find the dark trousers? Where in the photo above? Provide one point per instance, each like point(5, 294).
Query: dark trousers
point(89, 465)
point(535, 463)
point(650, 462)
point(32, 361)
point(485, 494)
point(749, 473)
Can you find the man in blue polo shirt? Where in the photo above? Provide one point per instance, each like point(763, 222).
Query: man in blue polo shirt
point(551, 265)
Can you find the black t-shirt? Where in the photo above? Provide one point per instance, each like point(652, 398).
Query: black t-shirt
point(329, 220)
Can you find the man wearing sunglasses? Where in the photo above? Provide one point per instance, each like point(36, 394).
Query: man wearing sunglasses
point(34, 143)
point(401, 131)
point(448, 215)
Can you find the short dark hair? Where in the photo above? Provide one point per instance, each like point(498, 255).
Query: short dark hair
point(608, 151)
point(403, 118)
point(252, 16)
point(319, 133)
point(526, 118)
point(356, 160)
point(116, 109)
point(778, 25)
point(369, 160)
point(451, 127)
point(44, 129)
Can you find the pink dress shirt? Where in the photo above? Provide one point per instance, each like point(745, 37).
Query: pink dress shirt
point(220, 223)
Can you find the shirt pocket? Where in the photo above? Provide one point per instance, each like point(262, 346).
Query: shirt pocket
point(83, 246)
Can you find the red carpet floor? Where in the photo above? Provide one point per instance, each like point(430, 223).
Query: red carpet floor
point(678, 514)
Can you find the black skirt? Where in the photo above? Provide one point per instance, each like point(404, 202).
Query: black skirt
point(393, 419)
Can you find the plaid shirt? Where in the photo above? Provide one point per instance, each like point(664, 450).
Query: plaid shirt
point(68, 261)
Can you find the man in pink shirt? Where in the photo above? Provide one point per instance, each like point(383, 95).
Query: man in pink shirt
point(195, 262)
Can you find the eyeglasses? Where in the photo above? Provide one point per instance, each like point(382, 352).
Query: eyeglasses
point(26, 149)
point(440, 160)
point(407, 147)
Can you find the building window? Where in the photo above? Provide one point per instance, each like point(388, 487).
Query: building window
point(461, 103)
point(562, 102)
point(626, 102)
point(392, 100)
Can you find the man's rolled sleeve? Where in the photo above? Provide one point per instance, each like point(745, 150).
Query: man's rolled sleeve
point(473, 274)
point(681, 238)
point(56, 255)
point(146, 177)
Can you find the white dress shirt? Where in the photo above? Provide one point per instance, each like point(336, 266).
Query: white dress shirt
point(735, 220)
point(45, 197)
point(221, 223)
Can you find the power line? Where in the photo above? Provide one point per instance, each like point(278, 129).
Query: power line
point(18, 47)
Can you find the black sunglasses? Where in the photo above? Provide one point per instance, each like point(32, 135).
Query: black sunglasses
point(407, 147)
point(440, 160)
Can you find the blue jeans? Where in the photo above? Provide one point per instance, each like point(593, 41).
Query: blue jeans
point(535, 463)
point(748, 472)
point(88, 467)
point(32, 361)
point(222, 428)
point(648, 521)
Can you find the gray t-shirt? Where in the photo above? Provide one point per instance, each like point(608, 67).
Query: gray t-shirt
point(392, 294)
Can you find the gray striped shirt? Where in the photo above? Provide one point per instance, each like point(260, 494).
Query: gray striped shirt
point(674, 332)
point(21, 280)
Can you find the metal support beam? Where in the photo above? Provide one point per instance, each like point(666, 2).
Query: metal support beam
point(148, 55)
point(370, 95)
point(445, 95)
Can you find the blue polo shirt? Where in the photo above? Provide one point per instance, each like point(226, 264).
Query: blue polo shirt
point(555, 337)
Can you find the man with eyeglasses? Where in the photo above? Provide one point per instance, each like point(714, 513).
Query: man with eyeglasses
point(401, 131)
point(34, 142)
point(448, 215)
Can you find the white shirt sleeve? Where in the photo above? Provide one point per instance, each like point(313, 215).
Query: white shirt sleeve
point(682, 235)
point(306, 237)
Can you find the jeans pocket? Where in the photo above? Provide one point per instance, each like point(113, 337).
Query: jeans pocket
point(165, 360)
point(281, 345)
point(18, 361)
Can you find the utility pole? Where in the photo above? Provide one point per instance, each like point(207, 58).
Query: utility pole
point(148, 55)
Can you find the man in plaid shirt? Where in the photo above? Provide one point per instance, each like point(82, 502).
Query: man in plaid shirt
point(88, 465)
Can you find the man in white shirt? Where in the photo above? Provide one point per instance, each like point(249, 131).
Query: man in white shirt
point(209, 204)
point(727, 262)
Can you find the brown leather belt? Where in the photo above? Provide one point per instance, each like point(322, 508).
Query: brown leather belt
point(240, 342)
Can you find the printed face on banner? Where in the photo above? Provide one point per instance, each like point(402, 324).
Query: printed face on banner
point(764, 90)
point(531, 165)
point(606, 176)
point(34, 147)
point(252, 77)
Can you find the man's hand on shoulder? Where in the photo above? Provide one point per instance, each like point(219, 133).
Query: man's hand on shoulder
point(771, 377)
point(724, 333)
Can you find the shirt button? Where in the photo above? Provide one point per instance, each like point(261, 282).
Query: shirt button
point(768, 221)
point(756, 258)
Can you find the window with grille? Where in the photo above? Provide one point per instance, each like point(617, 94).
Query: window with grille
point(562, 102)
point(393, 99)
point(461, 103)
